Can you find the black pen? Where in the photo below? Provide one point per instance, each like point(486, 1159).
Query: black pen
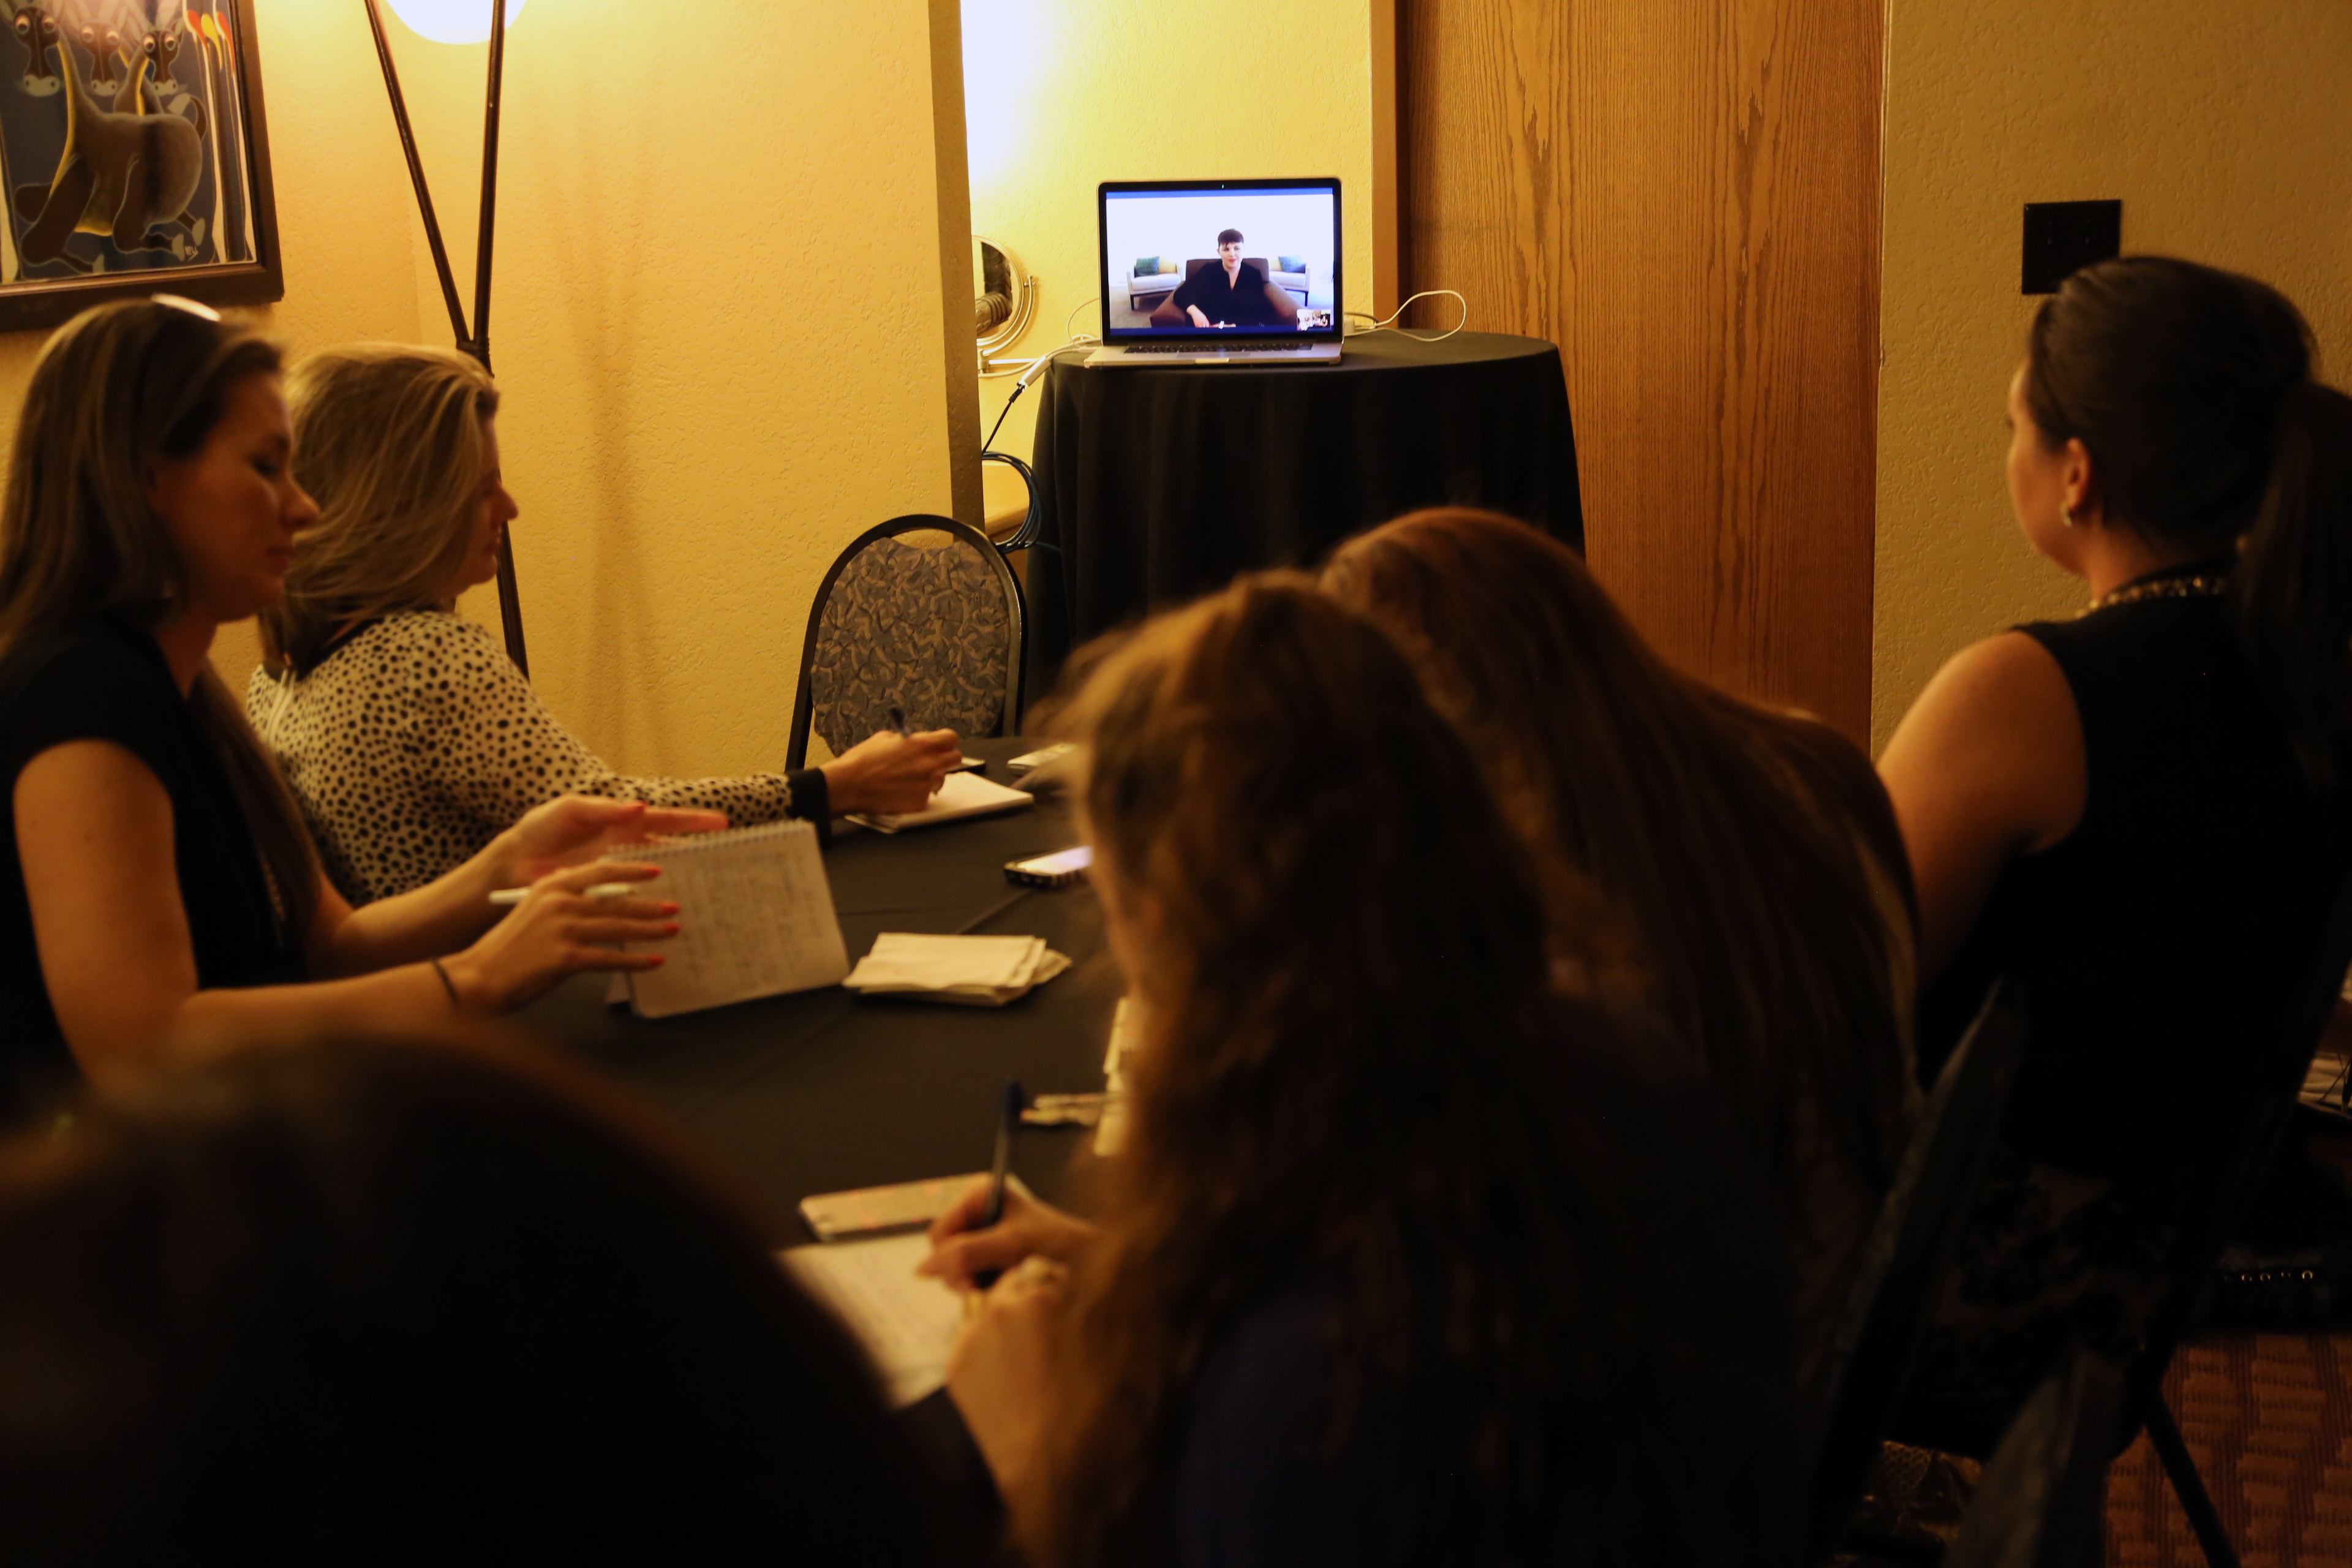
point(898, 722)
point(1008, 1122)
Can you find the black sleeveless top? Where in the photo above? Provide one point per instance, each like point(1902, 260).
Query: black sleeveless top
point(101, 679)
point(2156, 949)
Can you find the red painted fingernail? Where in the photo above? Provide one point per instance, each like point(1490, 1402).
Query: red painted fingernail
point(670, 908)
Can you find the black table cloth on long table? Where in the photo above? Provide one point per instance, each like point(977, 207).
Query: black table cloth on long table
point(823, 1090)
point(1157, 484)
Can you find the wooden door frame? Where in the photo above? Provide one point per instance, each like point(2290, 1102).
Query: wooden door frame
point(1388, 164)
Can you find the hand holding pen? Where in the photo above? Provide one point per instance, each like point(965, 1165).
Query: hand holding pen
point(997, 1225)
point(563, 923)
point(892, 771)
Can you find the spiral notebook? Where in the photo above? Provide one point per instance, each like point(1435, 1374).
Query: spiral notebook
point(757, 917)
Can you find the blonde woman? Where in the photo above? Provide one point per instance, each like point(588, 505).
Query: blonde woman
point(410, 737)
point(157, 879)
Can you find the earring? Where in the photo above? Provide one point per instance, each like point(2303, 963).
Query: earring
point(2066, 514)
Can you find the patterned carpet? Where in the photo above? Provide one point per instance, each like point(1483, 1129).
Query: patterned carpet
point(2269, 1420)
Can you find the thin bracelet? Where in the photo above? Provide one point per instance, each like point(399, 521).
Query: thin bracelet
point(447, 984)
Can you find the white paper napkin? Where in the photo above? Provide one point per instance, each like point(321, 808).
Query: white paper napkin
point(973, 971)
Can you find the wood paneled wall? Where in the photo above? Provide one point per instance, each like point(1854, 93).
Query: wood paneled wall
point(1684, 194)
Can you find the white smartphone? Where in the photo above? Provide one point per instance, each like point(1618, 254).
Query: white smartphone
point(1058, 869)
point(1038, 759)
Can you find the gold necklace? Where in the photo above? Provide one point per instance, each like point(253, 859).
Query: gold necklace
point(2204, 585)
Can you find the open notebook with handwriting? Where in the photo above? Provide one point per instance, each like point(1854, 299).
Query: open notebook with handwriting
point(756, 917)
point(906, 1323)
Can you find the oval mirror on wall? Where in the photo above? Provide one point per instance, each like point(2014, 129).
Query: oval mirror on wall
point(1002, 297)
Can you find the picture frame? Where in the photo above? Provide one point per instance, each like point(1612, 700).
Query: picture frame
point(147, 117)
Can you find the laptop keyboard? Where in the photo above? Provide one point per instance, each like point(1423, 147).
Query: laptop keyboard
point(1230, 345)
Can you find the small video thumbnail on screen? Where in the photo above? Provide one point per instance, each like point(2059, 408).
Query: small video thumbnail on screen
point(1208, 261)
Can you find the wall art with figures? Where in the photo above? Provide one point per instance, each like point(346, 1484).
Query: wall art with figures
point(133, 158)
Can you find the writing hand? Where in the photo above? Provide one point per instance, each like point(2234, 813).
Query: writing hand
point(1198, 318)
point(960, 1250)
point(1002, 1375)
point(890, 773)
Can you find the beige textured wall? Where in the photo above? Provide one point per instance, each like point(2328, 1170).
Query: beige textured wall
point(717, 322)
point(2225, 129)
point(1060, 94)
point(717, 319)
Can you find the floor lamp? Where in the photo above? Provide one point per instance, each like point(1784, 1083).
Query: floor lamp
point(430, 18)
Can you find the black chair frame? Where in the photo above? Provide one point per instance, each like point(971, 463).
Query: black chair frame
point(1016, 607)
point(2246, 1158)
point(2043, 1499)
point(1936, 1189)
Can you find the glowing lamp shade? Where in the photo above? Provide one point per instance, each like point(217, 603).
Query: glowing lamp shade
point(452, 21)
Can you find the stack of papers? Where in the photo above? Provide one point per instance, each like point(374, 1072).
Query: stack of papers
point(973, 970)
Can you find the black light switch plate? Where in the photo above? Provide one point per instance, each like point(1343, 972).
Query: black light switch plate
point(2063, 238)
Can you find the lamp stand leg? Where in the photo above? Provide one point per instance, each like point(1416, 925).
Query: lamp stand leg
point(476, 339)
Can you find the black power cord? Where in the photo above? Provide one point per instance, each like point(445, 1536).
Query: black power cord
point(1026, 536)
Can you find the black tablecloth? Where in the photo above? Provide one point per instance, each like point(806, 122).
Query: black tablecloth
point(823, 1090)
point(1157, 484)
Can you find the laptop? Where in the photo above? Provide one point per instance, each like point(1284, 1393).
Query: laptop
point(1219, 272)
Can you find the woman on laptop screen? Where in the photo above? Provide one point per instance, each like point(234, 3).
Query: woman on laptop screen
point(1231, 294)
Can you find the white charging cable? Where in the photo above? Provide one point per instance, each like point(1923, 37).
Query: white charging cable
point(1389, 325)
point(1026, 368)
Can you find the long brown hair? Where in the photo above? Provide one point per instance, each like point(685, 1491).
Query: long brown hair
point(2193, 390)
point(1351, 1062)
point(1753, 852)
point(388, 441)
point(117, 390)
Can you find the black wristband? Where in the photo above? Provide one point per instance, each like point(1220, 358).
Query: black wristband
point(812, 800)
point(447, 984)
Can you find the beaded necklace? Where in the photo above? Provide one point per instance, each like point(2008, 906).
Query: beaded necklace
point(2202, 585)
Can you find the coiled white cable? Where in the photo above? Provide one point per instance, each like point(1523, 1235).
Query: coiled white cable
point(1389, 325)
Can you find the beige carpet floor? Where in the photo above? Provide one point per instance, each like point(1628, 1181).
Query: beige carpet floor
point(2269, 1420)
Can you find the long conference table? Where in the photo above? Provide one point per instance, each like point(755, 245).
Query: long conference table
point(824, 1089)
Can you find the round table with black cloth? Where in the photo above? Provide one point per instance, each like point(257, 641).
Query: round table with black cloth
point(1159, 484)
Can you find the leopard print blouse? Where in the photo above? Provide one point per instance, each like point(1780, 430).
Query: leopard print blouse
point(417, 741)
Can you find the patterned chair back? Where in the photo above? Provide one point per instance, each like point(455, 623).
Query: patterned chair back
point(919, 614)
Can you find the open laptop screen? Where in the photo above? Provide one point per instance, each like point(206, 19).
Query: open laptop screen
point(1229, 258)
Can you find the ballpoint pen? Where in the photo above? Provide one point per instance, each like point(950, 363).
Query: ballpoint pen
point(1008, 1122)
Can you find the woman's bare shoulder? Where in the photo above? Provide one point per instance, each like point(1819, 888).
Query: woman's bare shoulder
point(1996, 728)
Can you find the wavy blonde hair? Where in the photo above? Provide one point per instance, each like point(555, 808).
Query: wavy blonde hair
point(388, 441)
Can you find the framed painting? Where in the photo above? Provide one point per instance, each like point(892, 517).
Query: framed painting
point(133, 157)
